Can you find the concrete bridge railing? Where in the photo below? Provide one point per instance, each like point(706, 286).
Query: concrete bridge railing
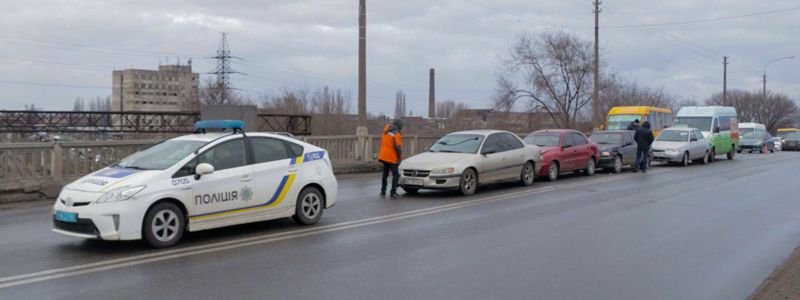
point(45, 167)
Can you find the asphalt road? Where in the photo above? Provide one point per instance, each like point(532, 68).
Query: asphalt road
point(700, 232)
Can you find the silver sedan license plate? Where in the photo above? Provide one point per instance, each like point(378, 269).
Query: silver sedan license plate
point(412, 181)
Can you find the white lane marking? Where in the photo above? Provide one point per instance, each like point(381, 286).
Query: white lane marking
point(45, 275)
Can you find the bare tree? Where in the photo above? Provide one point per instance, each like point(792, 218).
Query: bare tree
point(78, 105)
point(778, 110)
point(449, 109)
point(211, 93)
point(618, 91)
point(400, 107)
point(288, 101)
point(329, 101)
point(552, 72)
point(97, 104)
point(330, 109)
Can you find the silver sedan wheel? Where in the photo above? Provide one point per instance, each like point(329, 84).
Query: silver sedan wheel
point(311, 206)
point(165, 226)
point(469, 182)
point(527, 174)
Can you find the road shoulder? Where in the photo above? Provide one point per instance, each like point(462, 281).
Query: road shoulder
point(783, 283)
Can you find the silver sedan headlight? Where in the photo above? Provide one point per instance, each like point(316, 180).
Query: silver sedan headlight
point(442, 171)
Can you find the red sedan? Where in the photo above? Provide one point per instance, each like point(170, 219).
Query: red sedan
point(564, 150)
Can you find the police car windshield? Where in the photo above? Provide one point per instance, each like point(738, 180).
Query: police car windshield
point(458, 143)
point(161, 156)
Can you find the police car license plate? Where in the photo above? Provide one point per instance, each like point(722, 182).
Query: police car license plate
point(411, 181)
point(66, 216)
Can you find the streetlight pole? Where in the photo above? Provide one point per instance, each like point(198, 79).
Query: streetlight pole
point(764, 89)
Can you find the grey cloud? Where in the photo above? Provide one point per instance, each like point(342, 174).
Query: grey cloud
point(310, 43)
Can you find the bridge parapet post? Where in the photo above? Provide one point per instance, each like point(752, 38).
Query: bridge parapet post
point(362, 134)
point(57, 163)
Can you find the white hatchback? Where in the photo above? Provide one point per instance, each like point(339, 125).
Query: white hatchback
point(197, 182)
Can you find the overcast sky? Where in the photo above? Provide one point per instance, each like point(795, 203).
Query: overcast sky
point(54, 51)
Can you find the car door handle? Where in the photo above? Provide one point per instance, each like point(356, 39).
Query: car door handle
point(246, 178)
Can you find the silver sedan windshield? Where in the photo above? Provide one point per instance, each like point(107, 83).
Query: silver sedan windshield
point(458, 143)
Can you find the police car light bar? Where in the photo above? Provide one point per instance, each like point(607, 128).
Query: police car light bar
point(235, 125)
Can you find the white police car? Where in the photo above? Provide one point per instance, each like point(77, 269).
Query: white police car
point(197, 182)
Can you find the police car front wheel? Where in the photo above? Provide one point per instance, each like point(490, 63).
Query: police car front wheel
point(164, 225)
point(310, 204)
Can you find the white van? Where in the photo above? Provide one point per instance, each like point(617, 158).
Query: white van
point(745, 128)
point(719, 124)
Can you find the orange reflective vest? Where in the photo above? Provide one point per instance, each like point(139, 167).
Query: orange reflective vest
point(391, 143)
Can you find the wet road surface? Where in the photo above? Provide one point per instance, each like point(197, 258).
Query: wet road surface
point(700, 232)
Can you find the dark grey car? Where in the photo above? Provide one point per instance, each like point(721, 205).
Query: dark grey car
point(616, 148)
point(791, 142)
point(756, 142)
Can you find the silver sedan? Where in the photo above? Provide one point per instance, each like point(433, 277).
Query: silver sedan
point(464, 160)
point(681, 145)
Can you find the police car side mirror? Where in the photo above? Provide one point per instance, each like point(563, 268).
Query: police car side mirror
point(203, 169)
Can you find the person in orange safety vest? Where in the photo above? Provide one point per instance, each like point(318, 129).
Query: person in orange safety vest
point(391, 154)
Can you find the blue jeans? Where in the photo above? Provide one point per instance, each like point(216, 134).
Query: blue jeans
point(641, 159)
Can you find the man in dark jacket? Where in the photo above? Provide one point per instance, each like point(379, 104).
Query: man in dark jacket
point(634, 125)
point(644, 138)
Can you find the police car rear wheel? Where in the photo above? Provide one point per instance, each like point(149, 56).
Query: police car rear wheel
point(309, 207)
point(164, 225)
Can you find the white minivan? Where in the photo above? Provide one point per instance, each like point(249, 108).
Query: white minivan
point(745, 128)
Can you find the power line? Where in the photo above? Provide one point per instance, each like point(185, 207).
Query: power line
point(50, 62)
point(54, 84)
point(698, 49)
point(706, 20)
point(476, 3)
point(93, 47)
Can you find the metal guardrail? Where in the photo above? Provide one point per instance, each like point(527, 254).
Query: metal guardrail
point(20, 121)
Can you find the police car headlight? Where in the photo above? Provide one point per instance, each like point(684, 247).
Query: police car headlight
point(120, 194)
point(606, 153)
point(442, 171)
